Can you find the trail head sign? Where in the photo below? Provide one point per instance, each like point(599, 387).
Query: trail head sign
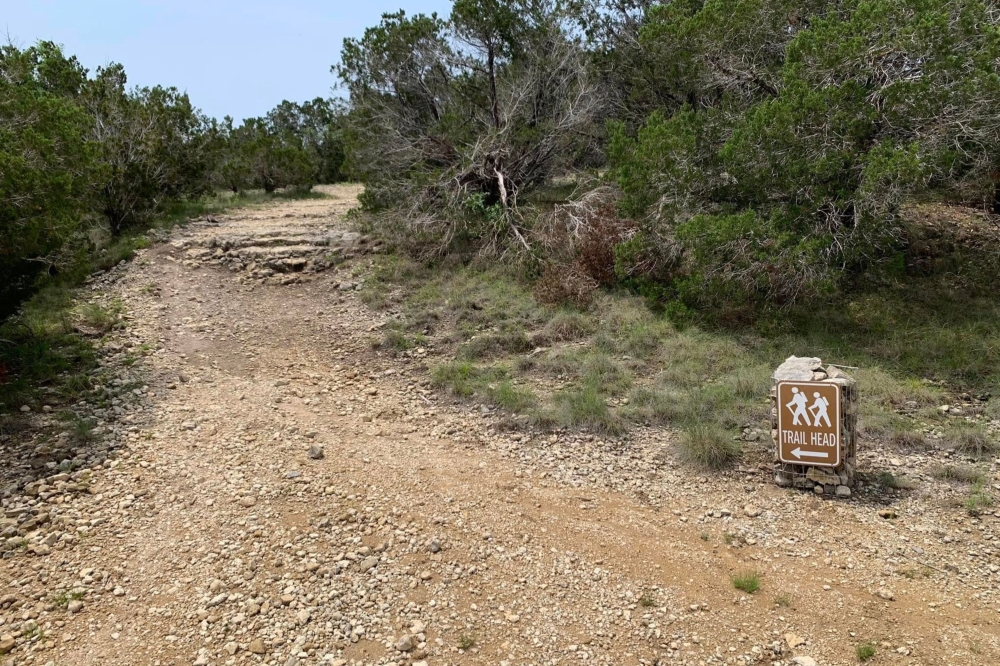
point(809, 422)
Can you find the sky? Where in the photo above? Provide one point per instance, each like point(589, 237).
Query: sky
point(237, 58)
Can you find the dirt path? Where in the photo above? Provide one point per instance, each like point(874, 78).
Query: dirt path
point(282, 494)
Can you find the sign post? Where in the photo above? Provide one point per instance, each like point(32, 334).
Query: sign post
point(814, 426)
point(809, 422)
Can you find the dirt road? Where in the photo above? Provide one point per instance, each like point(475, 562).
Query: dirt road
point(281, 493)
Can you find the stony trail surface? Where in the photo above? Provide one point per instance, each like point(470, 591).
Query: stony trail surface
point(271, 490)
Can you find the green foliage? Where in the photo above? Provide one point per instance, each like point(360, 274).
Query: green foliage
point(83, 155)
point(269, 153)
point(45, 163)
point(780, 170)
point(318, 127)
point(152, 143)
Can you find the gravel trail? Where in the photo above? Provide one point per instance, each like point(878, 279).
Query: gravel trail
point(269, 489)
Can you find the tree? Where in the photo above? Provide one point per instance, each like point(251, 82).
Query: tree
point(46, 162)
point(318, 126)
point(152, 142)
point(467, 114)
point(273, 160)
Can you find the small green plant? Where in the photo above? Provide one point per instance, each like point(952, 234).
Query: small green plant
point(100, 317)
point(466, 641)
point(61, 600)
point(490, 383)
point(647, 600)
point(33, 633)
point(82, 429)
point(729, 538)
point(865, 651)
point(703, 536)
point(979, 498)
point(747, 581)
point(783, 600)
point(586, 407)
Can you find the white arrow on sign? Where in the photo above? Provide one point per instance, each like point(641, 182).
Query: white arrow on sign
point(799, 453)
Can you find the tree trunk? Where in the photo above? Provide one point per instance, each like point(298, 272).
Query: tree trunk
point(494, 105)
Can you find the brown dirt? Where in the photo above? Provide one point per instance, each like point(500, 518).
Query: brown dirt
point(508, 549)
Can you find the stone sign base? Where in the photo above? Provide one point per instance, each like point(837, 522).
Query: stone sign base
point(821, 480)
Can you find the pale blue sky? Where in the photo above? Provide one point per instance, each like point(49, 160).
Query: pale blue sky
point(233, 57)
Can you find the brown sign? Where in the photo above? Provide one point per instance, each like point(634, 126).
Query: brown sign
point(809, 423)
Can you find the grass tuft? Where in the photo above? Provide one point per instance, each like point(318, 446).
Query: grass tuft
point(585, 407)
point(909, 440)
point(865, 651)
point(103, 318)
point(979, 498)
point(973, 441)
point(708, 446)
point(747, 581)
point(490, 383)
point(566, 326)
point(961, 473)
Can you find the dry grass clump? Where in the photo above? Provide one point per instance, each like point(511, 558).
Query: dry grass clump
point(566, 326)
point(708, 445)
point(974, 441)
point(562, 284)
point(961, 473)
point(909, 440)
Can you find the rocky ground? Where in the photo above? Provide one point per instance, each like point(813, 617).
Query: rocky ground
point(265, 488)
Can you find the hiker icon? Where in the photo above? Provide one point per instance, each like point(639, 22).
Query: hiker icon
point(799, 402)
point(820, 410)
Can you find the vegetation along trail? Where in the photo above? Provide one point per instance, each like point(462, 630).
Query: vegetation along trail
point(285, 493)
